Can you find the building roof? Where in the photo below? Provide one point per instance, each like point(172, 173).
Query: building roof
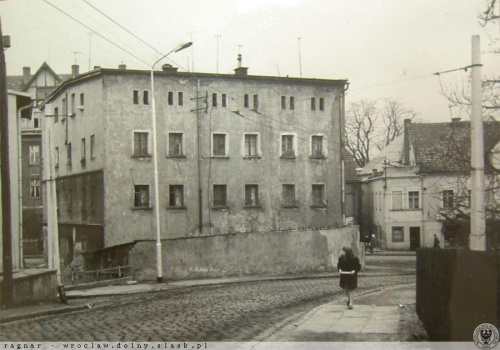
point(15, 82)
point(111, 71)
point(350, 166)
point(446, 147)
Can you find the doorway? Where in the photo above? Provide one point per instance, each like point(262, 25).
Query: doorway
point(414, 238)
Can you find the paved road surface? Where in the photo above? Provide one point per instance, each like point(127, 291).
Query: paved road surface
point(233, 312)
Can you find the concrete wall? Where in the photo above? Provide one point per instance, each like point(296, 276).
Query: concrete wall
point(271, 253)
point(34, 285)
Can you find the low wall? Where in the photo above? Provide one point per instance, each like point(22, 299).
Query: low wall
point(270, 253)
point(457, 290)
point(34, 285)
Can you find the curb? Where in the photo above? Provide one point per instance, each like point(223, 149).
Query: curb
point(43, 313)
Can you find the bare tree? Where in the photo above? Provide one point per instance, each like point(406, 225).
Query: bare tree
point(361, 130)
point(491, 13)
point(393, 115)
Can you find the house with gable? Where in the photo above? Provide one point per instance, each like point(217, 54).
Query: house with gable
point(39, 86)
point(419, 186)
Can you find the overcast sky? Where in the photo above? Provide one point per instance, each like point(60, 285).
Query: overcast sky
point(386, 48)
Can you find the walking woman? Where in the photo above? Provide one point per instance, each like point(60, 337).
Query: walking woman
point(348, 267)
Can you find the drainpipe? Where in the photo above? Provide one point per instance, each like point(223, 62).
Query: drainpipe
point(342, 146)
point(200, 197)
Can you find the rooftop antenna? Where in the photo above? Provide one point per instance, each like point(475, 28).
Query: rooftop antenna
point(300, 59)
point(278, 68)
point(217, 67)
point(75, 53)
point(90, 46)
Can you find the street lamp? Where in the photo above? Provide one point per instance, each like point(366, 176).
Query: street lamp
point(159, 265)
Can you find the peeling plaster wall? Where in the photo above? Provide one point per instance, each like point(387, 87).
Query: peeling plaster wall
point(271, 253)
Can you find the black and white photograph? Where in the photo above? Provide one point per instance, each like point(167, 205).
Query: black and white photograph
point(250, 174)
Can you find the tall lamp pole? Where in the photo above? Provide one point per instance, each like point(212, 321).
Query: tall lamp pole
point(159, 264)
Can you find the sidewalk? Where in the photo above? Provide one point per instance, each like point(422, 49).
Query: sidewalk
point(81, 299)
point(391, 319)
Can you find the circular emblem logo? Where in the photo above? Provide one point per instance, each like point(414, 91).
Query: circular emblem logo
point(486, 336)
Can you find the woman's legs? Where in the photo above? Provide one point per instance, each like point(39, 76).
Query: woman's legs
point(349, 294)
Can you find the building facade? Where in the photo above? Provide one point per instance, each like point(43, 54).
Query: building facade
point(419, 186)
point(236, 154)
point(39, 86)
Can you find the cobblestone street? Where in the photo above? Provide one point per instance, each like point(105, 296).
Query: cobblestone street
point(231, 312)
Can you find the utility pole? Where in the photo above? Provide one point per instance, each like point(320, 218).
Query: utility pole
point(477, 239)
point(7, 282)
point(217, 67)
point(300, 59)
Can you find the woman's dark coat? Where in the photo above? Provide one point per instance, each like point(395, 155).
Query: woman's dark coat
point(346, 265)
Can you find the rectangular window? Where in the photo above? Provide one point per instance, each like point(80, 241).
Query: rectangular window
point(219, 145)
point(56, 114)
point(317, 146)
point(92, 146)
point(398, 234)
point(93, 197)
point(57, 157)
point(250, 145)
point(34, 154)
point(469, 198)
point(36, 123)
point(40, 94)
point(255, 101)
point(68, 154)
point(83, 150)
point(82, 99)
point(136, 97)
point(292, 102)
point(288, 195)
point(83, 208)
point(251, 195)
point(448, 199)
point(64, 107)
point(321, 104)
point(35, 188)
point(140, 144)
point(397, 200)
point(170, 98)
point(318, 196)
point(224, 100)
point(73, 104)
point(313, 103)
point(413, 200)
point(246, 101)
point(180, 98)
point(69, 201)
point(214, 100)
point(283, 102)
point(287, 147)
point(175, 144)
point(141, 196)
point(145, 97)
point(176, 198)
point(220, 195)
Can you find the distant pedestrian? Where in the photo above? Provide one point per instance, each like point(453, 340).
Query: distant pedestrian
point(348, 266)
point(368, 244)
point(436, 242)
point(373, 241)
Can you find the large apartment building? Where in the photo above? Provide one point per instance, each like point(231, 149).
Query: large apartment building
point(236, 154)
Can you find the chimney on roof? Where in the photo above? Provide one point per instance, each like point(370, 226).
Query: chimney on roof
point(406, 142)
point(26, 74)
point(169, 69)
point(240, 70)
point(456, 120)
point(75, 70)
point(122, 66)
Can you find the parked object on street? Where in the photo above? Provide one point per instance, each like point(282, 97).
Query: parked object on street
point(348, 267)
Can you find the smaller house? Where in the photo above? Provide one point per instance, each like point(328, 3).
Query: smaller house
point(419, 186)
